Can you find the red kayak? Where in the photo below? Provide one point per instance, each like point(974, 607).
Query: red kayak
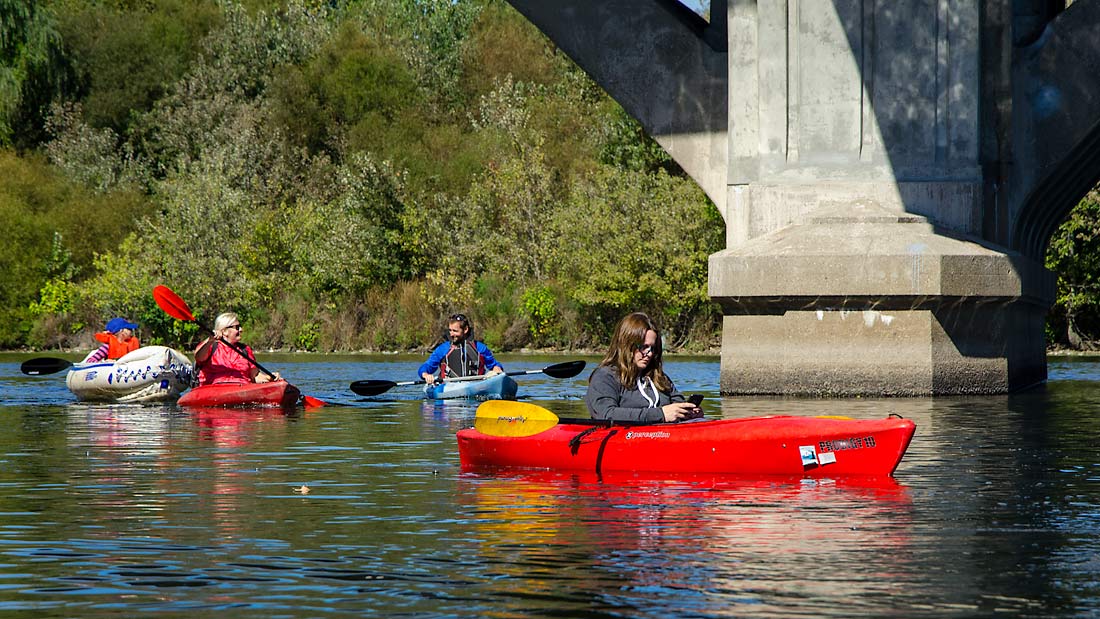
point(789, 446)
point(274, 393)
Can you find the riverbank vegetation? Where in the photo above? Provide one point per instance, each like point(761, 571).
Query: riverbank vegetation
point(346, 174)
point(342, 177)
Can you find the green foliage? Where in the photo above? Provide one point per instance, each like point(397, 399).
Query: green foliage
point(197, 249)
point(358, 79)
point(625, 145)
point(22, 275)
point(1074, 254)
point(498, 227)
point(129, 54)
point(33, 70)
point(636, 241)
point(53, 230)
point(353, 85)
point(539, 306)
point(307, 337)
point(93, 157)
point(362, 94)
point(496, 305)
point(343, 175)
point(351, 239)
point(431, 35)
point(224, 92)
point(504, 43)
point(56, 297)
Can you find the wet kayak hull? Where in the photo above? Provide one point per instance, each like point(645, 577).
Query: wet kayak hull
point(781, 445)
point(276, 393)
point(491, 387)
point(148, 374)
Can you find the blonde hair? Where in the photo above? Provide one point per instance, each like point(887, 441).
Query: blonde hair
point(629, 336)
point(222, 322)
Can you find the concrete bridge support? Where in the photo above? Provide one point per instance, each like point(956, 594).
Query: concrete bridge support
point(884, 174)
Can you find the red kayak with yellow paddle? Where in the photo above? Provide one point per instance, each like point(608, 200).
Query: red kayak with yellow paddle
point(522, 435)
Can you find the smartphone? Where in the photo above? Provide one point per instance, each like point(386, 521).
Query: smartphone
point(696, 399)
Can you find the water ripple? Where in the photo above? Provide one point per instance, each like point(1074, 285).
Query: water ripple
point(130, 510)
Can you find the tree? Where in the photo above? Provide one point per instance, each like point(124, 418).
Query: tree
point(1074, 255)
point(33, 70)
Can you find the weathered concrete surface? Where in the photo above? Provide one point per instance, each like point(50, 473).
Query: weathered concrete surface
point(895, 309)
point(662, 63)
point(893, 174)
point(1054, 135)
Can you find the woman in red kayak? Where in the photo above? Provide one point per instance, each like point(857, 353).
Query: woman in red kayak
point(630, 384)
point(218, 364)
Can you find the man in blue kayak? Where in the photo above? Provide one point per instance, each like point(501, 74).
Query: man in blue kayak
point(461, 355)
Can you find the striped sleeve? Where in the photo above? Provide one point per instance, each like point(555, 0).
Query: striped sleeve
point(98, 355)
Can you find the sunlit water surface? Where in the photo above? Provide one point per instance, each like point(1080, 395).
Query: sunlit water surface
point(127, 510)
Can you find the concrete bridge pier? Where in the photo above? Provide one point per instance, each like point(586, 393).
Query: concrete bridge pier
point(858, 193)
point(890, 174)
point(859, 299)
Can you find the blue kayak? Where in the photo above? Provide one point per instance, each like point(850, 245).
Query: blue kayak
point(487, 387)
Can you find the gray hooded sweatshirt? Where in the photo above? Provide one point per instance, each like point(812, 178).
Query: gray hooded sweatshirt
point(606, 398)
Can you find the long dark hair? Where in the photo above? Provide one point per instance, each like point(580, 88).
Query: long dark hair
point(629, 337)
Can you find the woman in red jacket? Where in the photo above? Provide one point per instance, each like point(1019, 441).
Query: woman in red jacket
point(218, 364)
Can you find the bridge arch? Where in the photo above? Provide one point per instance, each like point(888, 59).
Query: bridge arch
point(1050, 202)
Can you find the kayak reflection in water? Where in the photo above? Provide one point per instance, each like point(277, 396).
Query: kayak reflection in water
point(460, 356)
point(218, 364)
point(630, 384)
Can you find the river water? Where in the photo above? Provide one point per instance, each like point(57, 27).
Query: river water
point(109, 510)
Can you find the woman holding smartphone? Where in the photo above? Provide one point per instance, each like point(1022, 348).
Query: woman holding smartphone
point(630, 384)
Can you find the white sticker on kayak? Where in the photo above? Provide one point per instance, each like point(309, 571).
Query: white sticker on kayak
point(826, 457)
point(809, 455)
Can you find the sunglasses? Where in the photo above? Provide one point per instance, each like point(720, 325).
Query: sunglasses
point(645, 349)
point(458, 318)
point(236, 326)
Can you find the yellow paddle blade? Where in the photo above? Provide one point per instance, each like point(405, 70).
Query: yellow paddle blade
point(509, 418)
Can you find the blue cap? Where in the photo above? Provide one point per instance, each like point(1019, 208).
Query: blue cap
point(115, 325)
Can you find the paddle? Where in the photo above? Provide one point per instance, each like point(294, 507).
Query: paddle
point(508, 418)
point(567, 369)
point(177, 308)
point(44, 365)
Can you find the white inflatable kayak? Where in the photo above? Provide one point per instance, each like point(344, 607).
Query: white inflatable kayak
point(148, 374)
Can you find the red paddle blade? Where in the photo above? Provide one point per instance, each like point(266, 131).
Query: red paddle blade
point(312, 402)
point(172, 304)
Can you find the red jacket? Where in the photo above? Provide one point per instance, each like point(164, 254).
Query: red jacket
point(226, 366)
